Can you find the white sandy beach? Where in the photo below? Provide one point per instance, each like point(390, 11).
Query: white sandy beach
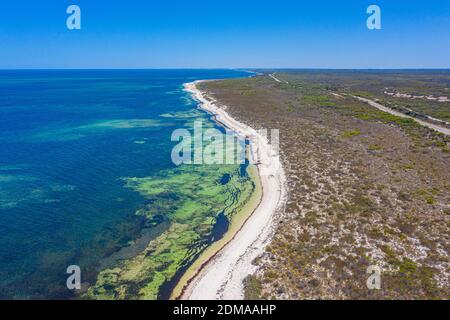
point(222, 277)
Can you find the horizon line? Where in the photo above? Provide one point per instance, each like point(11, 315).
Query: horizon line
point(223, 68)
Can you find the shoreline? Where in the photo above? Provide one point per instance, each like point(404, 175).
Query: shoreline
point(214, 275)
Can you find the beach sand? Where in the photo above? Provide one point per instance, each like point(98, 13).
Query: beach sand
point(221, 276)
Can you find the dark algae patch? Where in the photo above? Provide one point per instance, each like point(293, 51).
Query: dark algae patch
point(219, 229)
point(199, 213)
point(225, 179)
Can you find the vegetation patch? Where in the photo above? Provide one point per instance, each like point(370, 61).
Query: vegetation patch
point(351, 133)
point(349, 208)
point(252, 288)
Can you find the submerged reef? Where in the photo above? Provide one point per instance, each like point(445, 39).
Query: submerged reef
point(196, 203)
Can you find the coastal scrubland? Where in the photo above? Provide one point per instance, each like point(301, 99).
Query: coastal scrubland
point(365, 187)
point(419, 93)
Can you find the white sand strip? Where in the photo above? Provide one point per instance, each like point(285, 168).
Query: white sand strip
point(222, 277)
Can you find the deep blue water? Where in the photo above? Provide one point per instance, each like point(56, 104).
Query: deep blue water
point(67, 139)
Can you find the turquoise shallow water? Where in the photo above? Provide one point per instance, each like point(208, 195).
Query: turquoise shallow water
point(68, 138)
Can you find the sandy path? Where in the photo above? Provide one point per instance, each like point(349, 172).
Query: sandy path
point(222, 277)
point(436, 127)
point(277, 80)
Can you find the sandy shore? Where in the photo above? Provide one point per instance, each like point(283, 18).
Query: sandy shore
point(222, 276)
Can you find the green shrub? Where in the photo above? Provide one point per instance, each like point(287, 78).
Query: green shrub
point(352, 133)
point(252, 288)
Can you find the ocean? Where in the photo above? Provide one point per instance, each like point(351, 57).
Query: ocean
point(86, 179)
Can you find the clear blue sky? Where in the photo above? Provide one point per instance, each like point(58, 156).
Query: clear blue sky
point(225, 33)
